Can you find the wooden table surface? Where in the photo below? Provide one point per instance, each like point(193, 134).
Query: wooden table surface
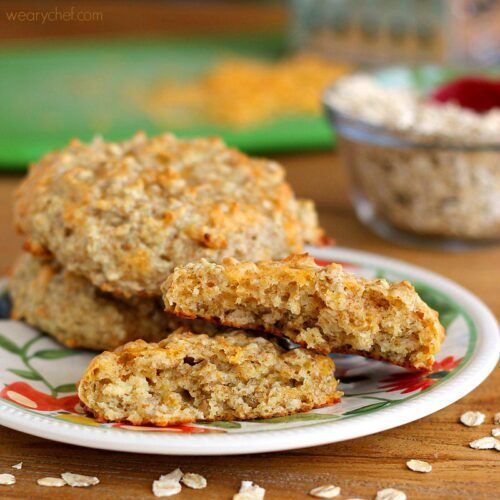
point(360, 467)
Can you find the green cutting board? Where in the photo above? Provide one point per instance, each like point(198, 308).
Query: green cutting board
point(52, 92)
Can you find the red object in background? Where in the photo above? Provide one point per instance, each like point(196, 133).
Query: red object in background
point(475, 93)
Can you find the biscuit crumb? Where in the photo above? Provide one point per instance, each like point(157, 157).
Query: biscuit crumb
point(325, 491)
point(18, 466)
point(194, 481)
point(79, 480)
point(419, 466)
point(485, 443)
point(390, 494)
point(250, 491)
point(56, 482)
point(472, 418)
point(7, 479)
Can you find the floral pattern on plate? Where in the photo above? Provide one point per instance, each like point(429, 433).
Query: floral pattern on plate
point(39, 375)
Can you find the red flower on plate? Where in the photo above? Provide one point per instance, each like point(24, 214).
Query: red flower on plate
point(183, 428)
point(419, 381)
point(23, 394)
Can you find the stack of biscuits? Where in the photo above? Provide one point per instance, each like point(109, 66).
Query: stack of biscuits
point(111, 227)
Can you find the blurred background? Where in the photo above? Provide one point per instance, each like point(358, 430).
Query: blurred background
point(251, 71)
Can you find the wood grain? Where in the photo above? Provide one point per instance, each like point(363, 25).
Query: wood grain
point(360, 467)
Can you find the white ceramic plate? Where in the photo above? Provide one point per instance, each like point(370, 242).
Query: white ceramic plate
point(37, 377)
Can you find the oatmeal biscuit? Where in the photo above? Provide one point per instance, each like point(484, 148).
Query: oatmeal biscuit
point(322, 308)
point(77, 314)
point(123, 215)
point(189, 377)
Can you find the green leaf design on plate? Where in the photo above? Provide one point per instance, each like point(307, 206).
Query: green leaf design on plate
point(8, 345)
point(54, 353)
point(28, 374)
point(299, 417)
point(223, 425)
point(65, 388)
point(435, 299)
point(368, 408)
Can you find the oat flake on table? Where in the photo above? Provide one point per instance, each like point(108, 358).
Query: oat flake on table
point(472, 418)
point(194, 481)
point(79, 480)
point(249, 491)
point(496, 418)
point(485, 443)
point(7, 479)
point(175, 475)
point(166, 488)
point(54, 482)
point(390, 494)
point(18, 466)
point(325, 491)
point(495, 432)
point(419, 465)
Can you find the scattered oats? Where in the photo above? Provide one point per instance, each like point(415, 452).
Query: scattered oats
point(6, 479)
point(194, 481)
point(419, 466)
point(472, 418)
point(496, 418)
point(495, 432)
point(250, 491)
point(166, 488)
point(485, 443)
point(175, 476)
point(18, 466)
point(325, 491)
point(390, 494)
point(78, 480)
point(56, 482)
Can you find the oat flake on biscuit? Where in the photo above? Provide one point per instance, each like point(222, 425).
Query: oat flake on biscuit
point(7, 479)
point(194, 481)
point(124, 215)
point(325, 491)
point(472, 418)
point(419, 466)
point(51, 482)
point(250, 491)
point(390, 494)
point(79, 480)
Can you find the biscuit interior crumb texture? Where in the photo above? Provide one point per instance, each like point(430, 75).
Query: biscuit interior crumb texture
point(189, 377)
point(125, 214)
point(77, 314)
point(322, 308)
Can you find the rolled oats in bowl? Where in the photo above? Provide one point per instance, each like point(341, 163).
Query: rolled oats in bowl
point(421, 171)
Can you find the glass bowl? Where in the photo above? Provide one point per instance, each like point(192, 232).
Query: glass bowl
point(417, 191)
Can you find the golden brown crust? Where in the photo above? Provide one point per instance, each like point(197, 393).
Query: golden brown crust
point(123, 215)
point(322, 308)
